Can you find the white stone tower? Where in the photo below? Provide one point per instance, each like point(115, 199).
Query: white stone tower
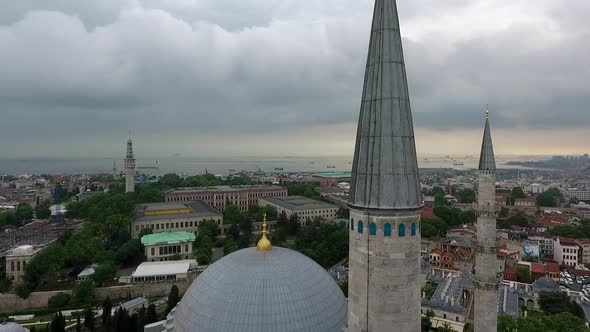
point(129, 168)
point(385, 200)
point(486, 266)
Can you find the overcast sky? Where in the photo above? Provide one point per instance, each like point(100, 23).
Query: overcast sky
point(284, 77)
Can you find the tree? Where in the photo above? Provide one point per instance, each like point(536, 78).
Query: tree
point(107, 307)
point(151, 316)
point(171, 181)
point(523, 275)
point(5, 284)
point(59, 301)
point(144, 232)
point(503, 212)
point(104, 272)
point(467, 195)
point(433, 227)
point(78, 325)
point(203, 259)
point(342, 213)
point(445, 328)
point(426, 321)
point(42, 211)
point(24, 213)
point(58, 323)
point(83, 294)
point(173, 299)
point(89, 319)
point(506, 324)
point(517, 192)
point(130, 253)
point(554, 303)
point(232, 215)
point(229, 245)
point(438, 191)
point(140, 319)
point(549, 198)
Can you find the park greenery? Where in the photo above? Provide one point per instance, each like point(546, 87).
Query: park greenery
point(549, 198)
point(558, 313)
point(303, 189)
point(580, 231)
point(521, 218)
point(447, 216)
point(467, 195)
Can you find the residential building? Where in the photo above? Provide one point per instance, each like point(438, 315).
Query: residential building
point(525, 202)
point(306, 208)
point(545, 241)
point(584, 245)
point(173, 217)
point(566, 252)
point(330, 179)
point(450, 301)
point(167, 245)
point(17, 260)
point(578, 194)
point(220, 196)
point(552, 271)
point(87, 273)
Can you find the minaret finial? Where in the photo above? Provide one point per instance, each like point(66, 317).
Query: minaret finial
point(264, 244)
point(487, 112)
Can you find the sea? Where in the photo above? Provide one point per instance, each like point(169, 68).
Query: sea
point(228, 165)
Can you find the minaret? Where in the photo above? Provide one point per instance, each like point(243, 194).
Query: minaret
point(486, 266)
point(129, 167)
point(385, 200)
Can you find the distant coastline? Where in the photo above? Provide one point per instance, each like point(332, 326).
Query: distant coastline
point(556, 162)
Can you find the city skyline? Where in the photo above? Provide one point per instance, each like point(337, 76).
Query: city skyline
point(198, 79)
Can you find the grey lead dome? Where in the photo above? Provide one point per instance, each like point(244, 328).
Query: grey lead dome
point(279, 290)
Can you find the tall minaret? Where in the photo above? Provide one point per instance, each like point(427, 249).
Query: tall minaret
point(129, 167)
point(486, 266)
point(385, 200)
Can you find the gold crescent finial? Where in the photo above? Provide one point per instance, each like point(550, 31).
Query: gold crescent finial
point(264, 244)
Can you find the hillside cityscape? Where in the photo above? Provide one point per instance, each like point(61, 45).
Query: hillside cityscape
point(384, 237)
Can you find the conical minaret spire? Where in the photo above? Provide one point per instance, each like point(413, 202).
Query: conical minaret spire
point(486, 158)
point(385, 168)
point(486, 273)
point(385, 200)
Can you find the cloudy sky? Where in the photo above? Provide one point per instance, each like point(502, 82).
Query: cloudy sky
point(283, 77)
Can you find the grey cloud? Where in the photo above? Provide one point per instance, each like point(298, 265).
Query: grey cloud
point(97, 68)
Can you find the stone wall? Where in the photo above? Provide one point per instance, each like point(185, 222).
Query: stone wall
point(11, 302)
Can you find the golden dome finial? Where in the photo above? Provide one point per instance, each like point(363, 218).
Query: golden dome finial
point(264, 244)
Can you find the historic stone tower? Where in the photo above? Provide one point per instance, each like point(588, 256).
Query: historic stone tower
point(129, 168)
point(486, 266)
point(385, 200)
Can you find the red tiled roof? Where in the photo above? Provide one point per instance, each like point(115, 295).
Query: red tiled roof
point(552, 267)
point(538, 268)
point(447, 254)
point(509, 270)
point(427, 213)
point(436, 251)
point(567, 241)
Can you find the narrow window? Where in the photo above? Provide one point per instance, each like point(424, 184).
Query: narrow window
point(387, 230)
point(372, 229)
point(352, 224)
point(401, 230)
point(413, 229)
point(360, 227)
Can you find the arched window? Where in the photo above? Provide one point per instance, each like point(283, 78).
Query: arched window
point(352, 224)
point(360, 227)
point(387, 230)
point(401, 230)
point(372, 229)
point(413, 229)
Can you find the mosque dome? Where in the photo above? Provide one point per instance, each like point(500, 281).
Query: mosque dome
point(545, 284)
point(273, 289)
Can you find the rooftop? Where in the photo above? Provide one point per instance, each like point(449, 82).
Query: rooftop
point(222, 189)
point(332, 175)
point(167, 238)
point(297, 203)
point(150, 269)
point(174, 210)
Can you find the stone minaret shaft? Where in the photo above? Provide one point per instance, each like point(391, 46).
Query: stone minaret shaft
point(486, 266)
point(385, 200)
point(129, 168)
